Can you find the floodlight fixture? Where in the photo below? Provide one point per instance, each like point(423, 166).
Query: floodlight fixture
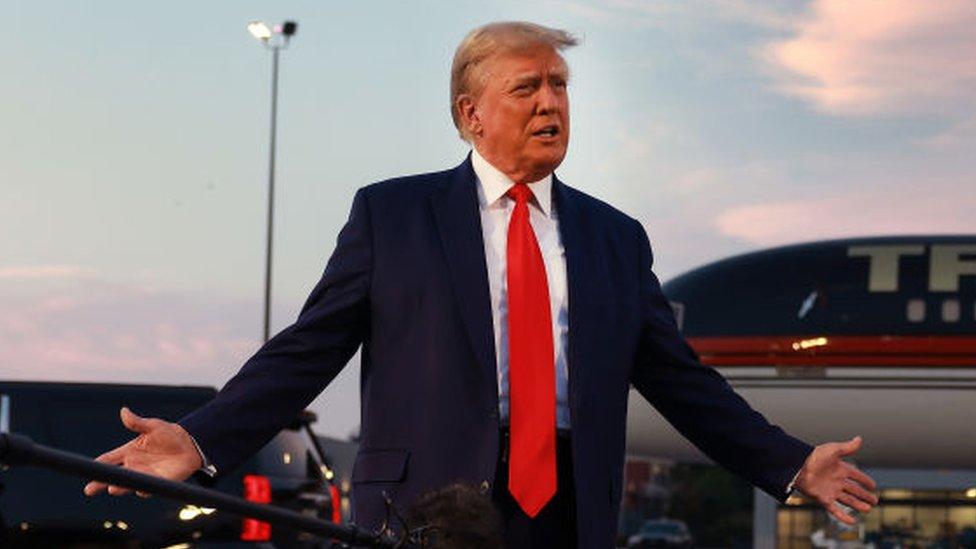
point(259, 30)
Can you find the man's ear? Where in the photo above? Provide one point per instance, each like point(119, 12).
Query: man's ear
point(468, 114)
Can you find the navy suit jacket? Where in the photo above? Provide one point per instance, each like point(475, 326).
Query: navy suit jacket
point(408, 282)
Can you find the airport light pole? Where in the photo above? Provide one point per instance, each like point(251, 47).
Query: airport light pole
point(274, 40)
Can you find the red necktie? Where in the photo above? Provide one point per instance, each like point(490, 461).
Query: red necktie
point(531, 365)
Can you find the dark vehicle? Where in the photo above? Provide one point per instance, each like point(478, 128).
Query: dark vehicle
point(661, 533)
point(40, 508)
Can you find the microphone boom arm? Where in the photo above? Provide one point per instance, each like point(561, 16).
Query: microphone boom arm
point(21, 450)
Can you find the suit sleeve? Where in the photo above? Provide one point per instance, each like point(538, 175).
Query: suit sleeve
point(291, 369)
point(700, 403)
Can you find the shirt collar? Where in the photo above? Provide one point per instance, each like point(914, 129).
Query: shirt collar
point(494, 184)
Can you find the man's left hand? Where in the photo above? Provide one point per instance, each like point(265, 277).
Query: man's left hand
point(828, 479)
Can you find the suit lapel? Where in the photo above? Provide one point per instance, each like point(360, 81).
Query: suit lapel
point(573, 243)
point(577, 256)
point(459, 224)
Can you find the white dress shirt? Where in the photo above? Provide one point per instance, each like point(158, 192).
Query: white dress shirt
point(496, 211)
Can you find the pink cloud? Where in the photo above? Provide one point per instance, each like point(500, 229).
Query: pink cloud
point(102, 331)
point(43, 272)
point(930, 210)
point(881, 56)
point(95, 330)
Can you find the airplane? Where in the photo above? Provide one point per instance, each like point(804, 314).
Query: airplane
point(862, 336)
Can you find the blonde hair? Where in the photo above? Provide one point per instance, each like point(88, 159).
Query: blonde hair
point(492, 39)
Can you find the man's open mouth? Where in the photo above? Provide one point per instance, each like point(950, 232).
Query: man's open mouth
point(547, 131)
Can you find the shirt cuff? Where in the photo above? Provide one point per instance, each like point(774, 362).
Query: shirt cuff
point(789, 487)
point(208, 468)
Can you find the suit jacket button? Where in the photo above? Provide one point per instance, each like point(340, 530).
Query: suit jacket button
point(485, 486)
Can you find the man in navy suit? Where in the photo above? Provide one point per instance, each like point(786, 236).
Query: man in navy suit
point(503, 317)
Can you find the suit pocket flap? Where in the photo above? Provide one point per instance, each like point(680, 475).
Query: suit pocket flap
point(380, 466)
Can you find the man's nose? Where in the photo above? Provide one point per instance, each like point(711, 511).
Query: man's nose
point(547, 100)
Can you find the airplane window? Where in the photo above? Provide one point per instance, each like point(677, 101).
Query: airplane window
point(916, 310)
point(950, 310)
point(679, 314)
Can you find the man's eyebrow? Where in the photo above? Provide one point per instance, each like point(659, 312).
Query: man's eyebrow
point(535, 77)
point(562, 74)
point(525, 77)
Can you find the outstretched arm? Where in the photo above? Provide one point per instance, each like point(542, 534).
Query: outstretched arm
point(280, 380)
point(704, 408)
point(291, 369)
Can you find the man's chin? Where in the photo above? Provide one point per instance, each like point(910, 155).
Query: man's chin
point(546, 159)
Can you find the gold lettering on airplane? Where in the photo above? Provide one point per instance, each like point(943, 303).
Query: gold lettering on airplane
point(883, 265)
point(947, 266)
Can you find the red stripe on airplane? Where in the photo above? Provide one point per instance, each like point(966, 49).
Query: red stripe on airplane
point(813, 350)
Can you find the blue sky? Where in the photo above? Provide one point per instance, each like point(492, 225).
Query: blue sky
point(133, 154)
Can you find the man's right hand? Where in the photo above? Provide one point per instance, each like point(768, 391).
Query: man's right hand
point(162, 449)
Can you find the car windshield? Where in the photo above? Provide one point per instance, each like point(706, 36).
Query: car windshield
point(669, 528)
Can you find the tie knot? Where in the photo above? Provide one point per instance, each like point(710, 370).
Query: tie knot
point(520, 192)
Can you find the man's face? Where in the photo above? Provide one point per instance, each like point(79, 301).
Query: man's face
point(521, 117)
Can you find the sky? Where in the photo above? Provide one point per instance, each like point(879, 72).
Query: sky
point(134, 151)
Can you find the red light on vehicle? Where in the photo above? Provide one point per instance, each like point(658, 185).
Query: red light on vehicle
point(336, 504)
point(257, 489)
point(255, 530)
